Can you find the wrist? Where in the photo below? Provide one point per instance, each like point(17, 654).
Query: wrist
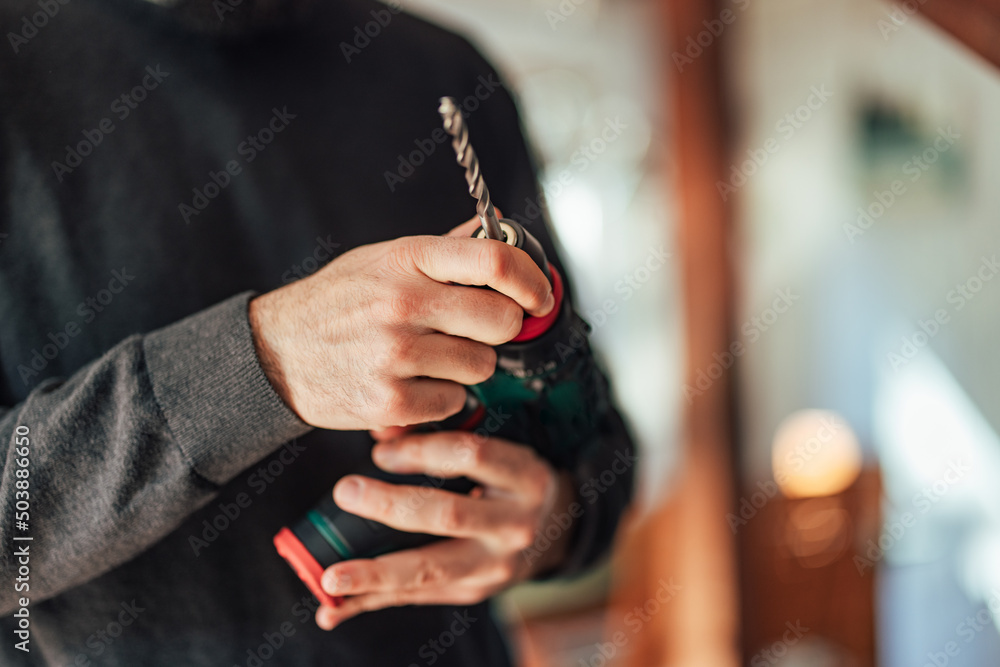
point(261, 315)
point(555, 523)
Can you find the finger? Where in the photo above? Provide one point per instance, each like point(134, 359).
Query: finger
point(326, 618)
point(466, 228)
point(434, 565)
point(329, 618)
point(494, 462)
point(389, 432)
point(481, 315)
point(460, 360)
point(470, 261)
point(418, 400)
point(425, 509)
point(470, 225)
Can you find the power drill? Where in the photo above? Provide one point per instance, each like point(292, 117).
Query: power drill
point(546, 392)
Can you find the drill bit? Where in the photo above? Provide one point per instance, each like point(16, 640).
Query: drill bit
point(454, 125)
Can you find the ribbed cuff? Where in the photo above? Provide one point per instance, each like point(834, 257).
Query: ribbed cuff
point(218, 403)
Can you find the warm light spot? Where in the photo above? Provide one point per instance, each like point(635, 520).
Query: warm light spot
point(815, 453)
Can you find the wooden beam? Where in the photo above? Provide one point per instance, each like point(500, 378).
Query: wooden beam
point(706, 630)
point(687, 542)
point(975, 23)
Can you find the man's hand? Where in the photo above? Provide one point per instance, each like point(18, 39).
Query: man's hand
point(520, 495)
point(387, 334)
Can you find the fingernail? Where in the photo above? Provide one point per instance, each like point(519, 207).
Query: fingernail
point(331, 582)
point(385, 456)
point(324, 618)
point(347, 492)
point(550, 303)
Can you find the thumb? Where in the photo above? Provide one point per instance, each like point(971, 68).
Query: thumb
point(466, 228)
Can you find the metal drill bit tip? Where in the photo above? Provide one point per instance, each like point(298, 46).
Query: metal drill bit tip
point(454, 125)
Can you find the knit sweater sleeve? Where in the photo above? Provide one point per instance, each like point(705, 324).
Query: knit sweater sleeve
point(100, 465)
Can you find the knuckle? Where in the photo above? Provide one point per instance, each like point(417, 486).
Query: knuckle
point(511, 317)
point(499, 260)
point(430, 574)
point(522, 536)
point(483, 363)
point(473, 449)
point(411, 452)
point(381, 502)
point(346, 581)
point(505, 570)
point(443, 404)
point(535, 471)
point(463, 446)
point(397, 400)
point(402, 307)
point(403, 252)
point(370, 578)
point(400, 347)
point(452, 517)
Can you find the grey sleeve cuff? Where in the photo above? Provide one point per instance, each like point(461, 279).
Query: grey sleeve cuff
point(218, 403)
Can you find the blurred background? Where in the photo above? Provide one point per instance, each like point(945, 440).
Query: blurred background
point(783, 221)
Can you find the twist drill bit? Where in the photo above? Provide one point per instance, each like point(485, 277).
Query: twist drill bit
point(454, 125)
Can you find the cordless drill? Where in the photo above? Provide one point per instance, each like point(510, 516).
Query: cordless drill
point(546, 392)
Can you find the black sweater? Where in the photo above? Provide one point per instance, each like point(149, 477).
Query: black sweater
point(153, 177)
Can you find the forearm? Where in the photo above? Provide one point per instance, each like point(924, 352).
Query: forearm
point(124, 449)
